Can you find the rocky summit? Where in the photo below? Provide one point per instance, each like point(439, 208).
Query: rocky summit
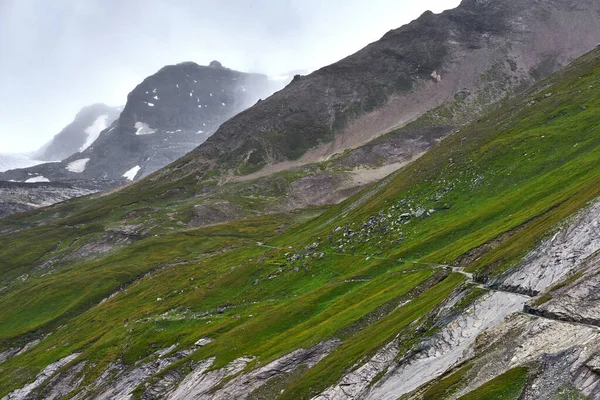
point(165, 116)
point(454, 255)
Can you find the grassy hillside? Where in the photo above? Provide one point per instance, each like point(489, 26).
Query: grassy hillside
point(96, 277)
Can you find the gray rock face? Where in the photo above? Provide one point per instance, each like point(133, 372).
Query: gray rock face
point(561, 334)
point(118, 381)
point(8, 354)
point(18, 197)
point(579, 299)
point(354, 384)
point(478, 51)
point(561, 351)
point(63, 383)
point(434, 357)
point(558, 256)
point(241, 386)
point(219, 211)
point(166, 115)
point(224, 384)
point(50, 370)
point(79, 134)
point(449, 348)
point(199, 383)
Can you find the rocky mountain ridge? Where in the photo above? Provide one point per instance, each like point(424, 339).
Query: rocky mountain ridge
point(471, 56)
point(79, 134)
point(165, 116)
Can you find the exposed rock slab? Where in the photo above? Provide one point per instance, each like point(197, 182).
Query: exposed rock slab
point(23, 393)
point(560, 350)
point(19, 197)
point(435, 356)
point(558, 256)
point(579, 299)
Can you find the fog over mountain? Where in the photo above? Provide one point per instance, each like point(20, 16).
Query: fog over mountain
point(62, 55)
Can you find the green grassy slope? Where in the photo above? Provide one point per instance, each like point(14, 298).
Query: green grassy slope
point(481, 198)
point(507, 386)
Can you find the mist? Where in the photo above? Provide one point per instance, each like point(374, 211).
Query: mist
point(58, 56)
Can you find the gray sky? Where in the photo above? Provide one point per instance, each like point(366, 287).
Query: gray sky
point(57, 56)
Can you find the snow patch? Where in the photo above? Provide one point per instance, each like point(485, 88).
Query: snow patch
point(150, 104)
point(77, 166)
point(94, 130)
point(130, 174)
point(38, 178)
point(143, 129)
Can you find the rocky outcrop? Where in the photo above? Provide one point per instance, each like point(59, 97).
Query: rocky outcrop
point(241, 386)
point(560, 335)
point(8, 354)
point(565, 271)
point(449, 348)
point(430, 359)
point(18, 197)
point(354, 384)
point(49, 371)
point(200, 383)
point(576, 298)
point(63, 383)
point(219, 211)
point(119, 381)
point(226, 383)
point(557, 256)
point(559, 354)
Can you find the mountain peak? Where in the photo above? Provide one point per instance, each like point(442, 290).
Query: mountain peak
point(215, 64)
point(79, 134)
point(168, 114)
